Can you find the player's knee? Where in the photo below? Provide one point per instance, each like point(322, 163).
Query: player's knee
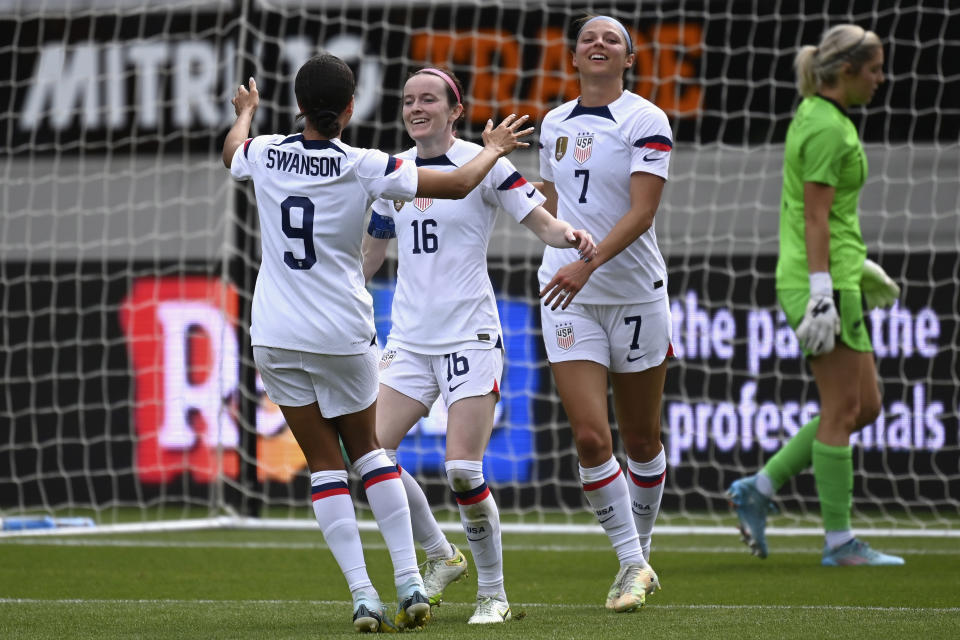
point(642, 446)
point(592, 443)
point(464, 475)
point(870, 408)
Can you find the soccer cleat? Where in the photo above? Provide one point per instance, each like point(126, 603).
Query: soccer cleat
point(752, 508)
point(856, 552)
point(440, 572)
point(634, 582)
point(414, 608)
point(491, 609)
point(369, 615)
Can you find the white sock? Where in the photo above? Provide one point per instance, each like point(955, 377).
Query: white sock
point(765, 484)
point(388, 501)
point(607, 493)
point(426, 531)
point(646, 491)
point(333, 509)
point(481, 523)
point(835, 539)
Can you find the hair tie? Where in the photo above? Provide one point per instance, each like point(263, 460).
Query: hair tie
point(623, 29)
point(440, 74)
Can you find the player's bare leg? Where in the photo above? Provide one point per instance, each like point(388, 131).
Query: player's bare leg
point(582, 386)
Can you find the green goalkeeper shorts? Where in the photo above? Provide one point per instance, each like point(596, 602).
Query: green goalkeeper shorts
point(853, 329)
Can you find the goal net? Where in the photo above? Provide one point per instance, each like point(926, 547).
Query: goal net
point(127, 255)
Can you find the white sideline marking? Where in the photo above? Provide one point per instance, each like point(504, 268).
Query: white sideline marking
point(300, 524)
point(308, 546)
point(539, 605)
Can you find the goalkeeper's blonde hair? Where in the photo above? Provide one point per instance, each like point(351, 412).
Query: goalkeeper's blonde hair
point(843, 44)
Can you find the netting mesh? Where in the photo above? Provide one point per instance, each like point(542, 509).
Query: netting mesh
point(128, 256)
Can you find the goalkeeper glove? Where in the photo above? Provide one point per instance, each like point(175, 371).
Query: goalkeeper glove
point(821, 324)
point(877, 287)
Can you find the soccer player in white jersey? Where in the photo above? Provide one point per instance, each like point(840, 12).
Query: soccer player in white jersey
point(445, 339)
point(312, 328)
point(603, 161)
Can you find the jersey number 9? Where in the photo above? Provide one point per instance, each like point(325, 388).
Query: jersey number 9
point(304, 233)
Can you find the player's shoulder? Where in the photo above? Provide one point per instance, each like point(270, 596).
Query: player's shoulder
point(635, 108)
point(463, 151)
point(407, 154)
point(560, 113)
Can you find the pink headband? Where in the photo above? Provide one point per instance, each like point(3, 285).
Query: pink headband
point(440, 74)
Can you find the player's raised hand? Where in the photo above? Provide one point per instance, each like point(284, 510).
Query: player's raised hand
point(583, 242)
point(506, 136)
point(246, 99)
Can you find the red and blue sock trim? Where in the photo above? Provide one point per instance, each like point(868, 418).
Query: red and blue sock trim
point(647, 481)
point(328, 489)
point(599, 484)
point(379, 475)
point(473, 496)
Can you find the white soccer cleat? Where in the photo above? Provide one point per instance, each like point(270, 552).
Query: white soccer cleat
point(441, 572)
point(490, 610)
point(634, 582)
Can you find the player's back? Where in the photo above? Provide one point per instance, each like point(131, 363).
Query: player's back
point(312, 196)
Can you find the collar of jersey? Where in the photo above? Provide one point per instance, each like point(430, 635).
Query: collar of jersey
point(313, 144)
point(436, 161)
point(834, 103)
point(600, 112)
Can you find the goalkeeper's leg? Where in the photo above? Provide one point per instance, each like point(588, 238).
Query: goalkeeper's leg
point(850, 399)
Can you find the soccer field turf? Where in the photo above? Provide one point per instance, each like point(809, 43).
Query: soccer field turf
point(285, 584)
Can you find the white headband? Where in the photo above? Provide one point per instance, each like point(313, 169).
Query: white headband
point(623, 29)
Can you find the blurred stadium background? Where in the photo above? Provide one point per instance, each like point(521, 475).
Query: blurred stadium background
point(127, 256)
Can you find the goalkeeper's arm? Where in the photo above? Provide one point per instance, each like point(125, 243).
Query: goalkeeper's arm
point(877, 287)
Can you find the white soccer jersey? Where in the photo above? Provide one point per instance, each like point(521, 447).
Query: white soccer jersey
point(312, 197)
point(589, 153)
point(444, 301)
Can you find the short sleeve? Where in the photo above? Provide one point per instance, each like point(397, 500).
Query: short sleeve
point(386, 176)
point(822, 156)
point(545, 147)
point(651, 143)
point(247, 156)
point(511, 191)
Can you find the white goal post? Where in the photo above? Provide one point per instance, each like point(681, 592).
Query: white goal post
point(127, 254)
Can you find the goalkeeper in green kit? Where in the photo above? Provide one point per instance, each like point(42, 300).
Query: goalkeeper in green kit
point(823, 278)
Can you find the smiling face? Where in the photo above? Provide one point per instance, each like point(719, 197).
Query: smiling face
point(427, 112)
point(861, 85)
point(601, 50)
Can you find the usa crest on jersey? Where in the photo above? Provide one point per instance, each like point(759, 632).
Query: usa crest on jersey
point(583, 147)
point(422, 203)
point(565, 337)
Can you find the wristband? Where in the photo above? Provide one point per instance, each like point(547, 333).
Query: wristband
point(821, 284)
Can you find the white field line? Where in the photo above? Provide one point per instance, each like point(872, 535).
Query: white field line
point(601, 547)
point(539, 605)
point(244, 523)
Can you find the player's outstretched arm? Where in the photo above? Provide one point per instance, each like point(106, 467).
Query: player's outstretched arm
point(497, 142)
point(557, 233)
point(245, 104)
point(374, 252)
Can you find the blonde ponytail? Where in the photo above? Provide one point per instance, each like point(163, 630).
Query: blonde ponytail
point(841, 45)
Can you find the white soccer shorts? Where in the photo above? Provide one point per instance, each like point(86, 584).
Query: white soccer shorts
point(623, 338)
point(463, 374)
point(338, 384)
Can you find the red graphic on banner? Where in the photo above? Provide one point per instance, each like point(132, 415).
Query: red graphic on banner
point(181, 335)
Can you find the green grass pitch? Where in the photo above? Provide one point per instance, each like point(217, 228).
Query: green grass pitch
point(285, 584)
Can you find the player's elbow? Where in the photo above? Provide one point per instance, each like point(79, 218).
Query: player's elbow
point(227, 158)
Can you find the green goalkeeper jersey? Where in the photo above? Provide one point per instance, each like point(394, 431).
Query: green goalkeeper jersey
point(822, 146)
